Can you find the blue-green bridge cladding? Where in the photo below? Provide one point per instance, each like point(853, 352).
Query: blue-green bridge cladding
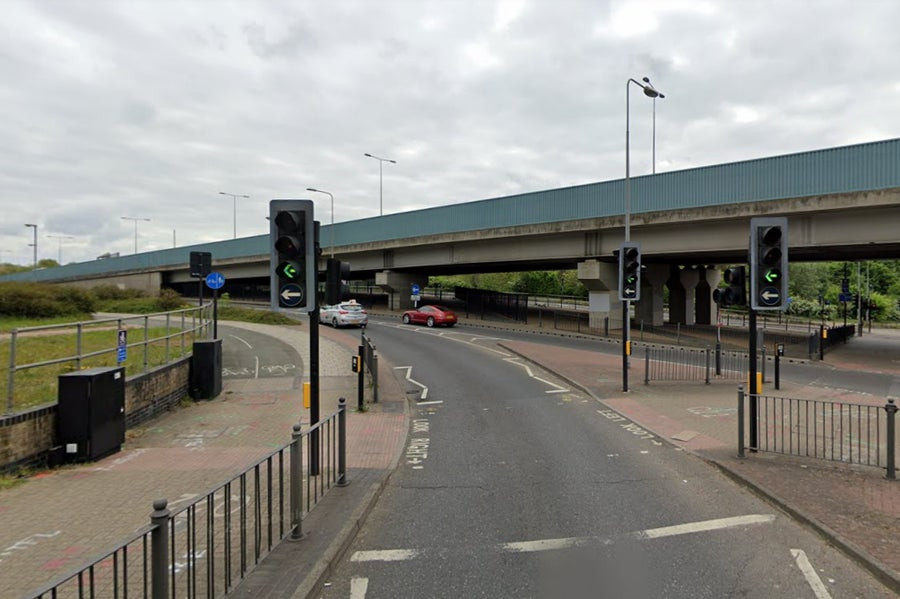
point(842, 203)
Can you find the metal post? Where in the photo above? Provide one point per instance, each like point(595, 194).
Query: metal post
point(707, 366)
point(215, 313)
point(821, 342)
point(625, 345)
point(159, 550)
point(754, 391)
point(646, 365)
point(740, 421)
point(891, 409)
point(314, 390)
point(374, 372)
point(10, 382)
point(296, 483)
point(360, 377)
point(342, 443)
point(777, 370)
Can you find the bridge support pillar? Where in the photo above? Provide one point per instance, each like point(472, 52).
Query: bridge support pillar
point(650, 307)
point(398, 286)
point(681, 296)
point(601, 280)
point(706, 307)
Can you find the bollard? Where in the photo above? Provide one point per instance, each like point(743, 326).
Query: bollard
point(646, 365)
point(159, 550)
point(718, 358)
point(891, 408)
point(740, 421)
point(342, 443)
point(296, 483)
point(707, 365)
point(360, 377)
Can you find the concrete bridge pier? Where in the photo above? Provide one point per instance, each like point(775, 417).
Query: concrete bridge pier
point(398, 286)
point(650, 307)
point(706, 307)
point(602, 281)
point(682, 301)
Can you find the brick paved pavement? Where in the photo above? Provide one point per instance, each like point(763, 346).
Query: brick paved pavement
point(59, 519)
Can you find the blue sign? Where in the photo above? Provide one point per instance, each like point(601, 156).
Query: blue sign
point(845, 297)
point(122, 346)
point(215, 280)
point(291, 295)
point(415, 289)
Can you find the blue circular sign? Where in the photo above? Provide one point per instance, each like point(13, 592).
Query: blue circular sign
point(770, 296)
point(415, 289)
point(291, 295)
point(215, 280)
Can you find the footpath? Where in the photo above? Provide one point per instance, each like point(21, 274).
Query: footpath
point(58, 519)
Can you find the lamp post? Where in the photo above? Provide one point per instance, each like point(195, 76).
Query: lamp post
point(381, 162)
point(135, 219)
point(234, 197)
point(59, 245)
point(331, 228)
point(34, 245)
point(650, 92)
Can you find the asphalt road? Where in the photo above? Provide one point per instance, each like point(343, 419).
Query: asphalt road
point(247, 354)
point(515, 485)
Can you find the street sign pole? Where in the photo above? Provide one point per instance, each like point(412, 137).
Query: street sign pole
point(754, 389)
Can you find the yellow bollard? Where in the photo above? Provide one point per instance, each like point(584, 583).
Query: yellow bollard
point(306, 393)
point(759, 383)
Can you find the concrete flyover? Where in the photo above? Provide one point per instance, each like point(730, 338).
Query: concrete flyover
point(842, 204)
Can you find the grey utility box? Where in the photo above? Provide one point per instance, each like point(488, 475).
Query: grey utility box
point(90, 419)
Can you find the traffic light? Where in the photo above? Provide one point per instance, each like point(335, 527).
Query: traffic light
point(629, 271)
point(769, 263)
point(201, 264)
point(335, 290)
point(736, 292)
point(293, 276)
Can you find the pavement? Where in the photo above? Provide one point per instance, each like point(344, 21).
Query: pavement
point(187, 451)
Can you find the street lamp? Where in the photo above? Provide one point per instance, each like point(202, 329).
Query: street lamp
point(650, 92)
point(135, 219)
point(381, 162)
point(34, 245)
point(234, 197)
point(331, 228)
point(59, 245)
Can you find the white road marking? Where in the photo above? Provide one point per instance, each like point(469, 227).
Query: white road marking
point(384, 555)
point(429, 403)
point(358, 588)
point(414, 382)
point(392, 555)
point(704, 526)
point(543, 545)
point(556, 388)
point(244, 341)
point(256, 371)
point(818, 587)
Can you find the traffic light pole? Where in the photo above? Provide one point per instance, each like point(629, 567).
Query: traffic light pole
point(625, 324)
point(314, 390)
point(754, 390)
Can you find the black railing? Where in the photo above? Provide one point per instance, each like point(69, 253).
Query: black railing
point(826, 430)
point(203, 549)
point(672, 363)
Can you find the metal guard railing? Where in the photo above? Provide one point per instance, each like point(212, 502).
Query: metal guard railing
point(826, 430)
point(205, 548)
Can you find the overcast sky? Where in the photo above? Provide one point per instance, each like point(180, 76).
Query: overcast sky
point(150, 109)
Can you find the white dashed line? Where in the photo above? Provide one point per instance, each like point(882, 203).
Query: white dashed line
point(384, 555)
point(358, 588)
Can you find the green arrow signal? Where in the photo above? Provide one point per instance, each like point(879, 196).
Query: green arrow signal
point(772, 275)
point(289, 270)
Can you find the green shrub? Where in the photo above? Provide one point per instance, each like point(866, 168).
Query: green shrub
point(167, 300)
point(37, 300)
point(113, 292)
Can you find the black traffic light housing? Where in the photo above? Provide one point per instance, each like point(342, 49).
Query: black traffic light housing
point(735, 293)
point(769, 263)
point(630, 271)
point(201, 264)
point(336, 273)
point(294, 265)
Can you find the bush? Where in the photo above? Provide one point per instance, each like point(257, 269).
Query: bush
point(37, 300)
point(167, 300)
point(113, 292)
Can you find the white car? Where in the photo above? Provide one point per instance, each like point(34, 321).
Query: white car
point(344, 314)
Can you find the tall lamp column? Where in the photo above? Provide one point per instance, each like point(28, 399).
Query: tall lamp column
point(381, 162)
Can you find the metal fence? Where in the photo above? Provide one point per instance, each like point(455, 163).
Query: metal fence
point(826, 430)
point(206, 547)
point(567, 320)
point(96, 343)
point(671, 363)
point(370, 361)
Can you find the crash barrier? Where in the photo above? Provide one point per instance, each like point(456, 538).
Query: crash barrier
point(137, 342)
point(670, 363)
point(205, 547)
point(370, 361)
point(826, 430)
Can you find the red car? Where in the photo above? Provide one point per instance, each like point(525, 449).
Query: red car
point(431, 316)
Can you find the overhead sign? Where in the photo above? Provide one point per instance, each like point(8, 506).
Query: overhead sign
point(215, 280)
